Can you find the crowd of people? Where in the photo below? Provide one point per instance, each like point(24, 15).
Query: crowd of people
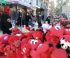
point(40, 40)
point(9, 17)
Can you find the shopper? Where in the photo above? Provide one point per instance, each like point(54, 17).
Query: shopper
point(19, 17)
point(6, 23)
point(26, 20)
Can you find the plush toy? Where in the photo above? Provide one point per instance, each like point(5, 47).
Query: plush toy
point(8, 52)
point(44, 50)
point(57, 30)
point(34, 54)
point(65, 41)
point(67, 30)
point(46, 27)
point(5, 38)
point(59, 53)
point(15, 40)
point(34, 43)
point(52, 39)
point(38, 35)
point(1, 45)
point(15, 30)
point(25, 49)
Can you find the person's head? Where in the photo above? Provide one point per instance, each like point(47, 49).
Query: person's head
point(9, 19)
point(27, 13)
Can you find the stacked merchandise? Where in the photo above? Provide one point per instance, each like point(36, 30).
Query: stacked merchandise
point(36, 44)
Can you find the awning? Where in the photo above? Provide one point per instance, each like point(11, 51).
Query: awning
point(3, 1)
point(13, 1)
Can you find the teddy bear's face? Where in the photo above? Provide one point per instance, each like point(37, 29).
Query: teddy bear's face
point(64, 44)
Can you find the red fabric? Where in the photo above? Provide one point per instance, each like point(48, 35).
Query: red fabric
point(1, 47)
point(43, 55)
point(25, 49)
point(18, 53)
point(2, 57)
point(53, 36)
point(67, 31)
point(5, 35)
point(14, 40)
point(38, 34)
point(9, 53)
point(34, 54)
point(34, 44)
point(45, 51)
point(42, 48)
point(16, 31)
point(1, 39)
point(28, 35)
point(4, 38)
point(58, 33)
point(59, 53)
point(11, 40)
point(67, 38)
point(24, 41)
point(52, 39)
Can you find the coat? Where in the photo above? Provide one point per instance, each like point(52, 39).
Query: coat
point(5, 25)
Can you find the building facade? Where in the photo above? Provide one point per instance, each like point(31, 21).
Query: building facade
point(37, 6)
point(66, 10)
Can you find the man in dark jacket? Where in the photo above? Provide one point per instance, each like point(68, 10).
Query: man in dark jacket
point(48, 19)
point(27, 18)
point(5, 23)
